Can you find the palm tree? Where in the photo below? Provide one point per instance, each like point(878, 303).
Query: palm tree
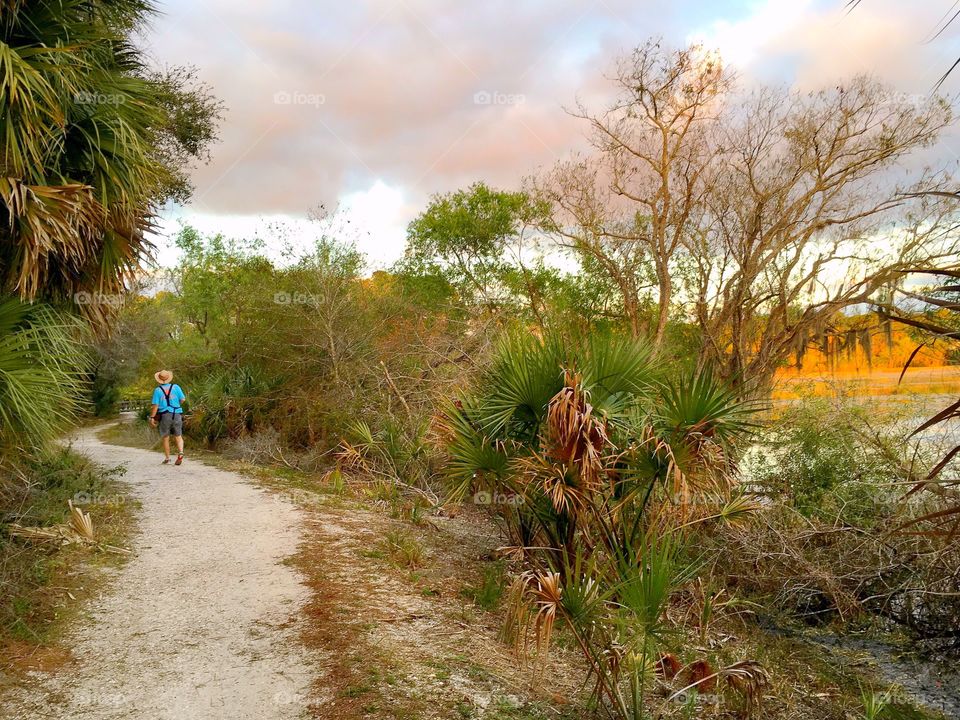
point(91, 142)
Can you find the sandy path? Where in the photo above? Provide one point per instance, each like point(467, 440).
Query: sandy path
point(200, 623)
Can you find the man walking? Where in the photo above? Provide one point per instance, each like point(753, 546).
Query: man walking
point(167, 409)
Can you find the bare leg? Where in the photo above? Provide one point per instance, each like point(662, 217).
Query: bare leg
point(166, 446)
point(179, 440)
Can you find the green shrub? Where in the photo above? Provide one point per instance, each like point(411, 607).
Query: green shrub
point(825, 463)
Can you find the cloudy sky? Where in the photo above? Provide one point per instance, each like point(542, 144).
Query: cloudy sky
point(373, 105)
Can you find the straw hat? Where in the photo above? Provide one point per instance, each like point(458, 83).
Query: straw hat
point(163, 377)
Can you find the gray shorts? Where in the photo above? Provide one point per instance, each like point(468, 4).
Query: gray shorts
point(171, 424)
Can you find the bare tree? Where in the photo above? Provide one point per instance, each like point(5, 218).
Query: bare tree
point(759, 216)
point(813, 215)
point(629, 208)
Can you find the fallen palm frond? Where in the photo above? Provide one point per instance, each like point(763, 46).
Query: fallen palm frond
point(81, 523)
point(393, 455)
point(747, 677)
point(78, 531)
point(60, 534)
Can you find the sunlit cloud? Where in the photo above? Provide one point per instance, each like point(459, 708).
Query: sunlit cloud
point(378, 104)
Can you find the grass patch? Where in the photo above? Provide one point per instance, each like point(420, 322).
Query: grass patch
point(40, 583)
point(487, 593)
point(402, 548)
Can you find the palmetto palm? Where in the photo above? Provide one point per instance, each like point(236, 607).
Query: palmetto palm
point(87, 146)
point(508, 416)
point(583, 433)
point(583, 436)
point(42, 361)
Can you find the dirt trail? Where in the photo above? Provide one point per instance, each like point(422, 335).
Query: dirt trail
point(201, 622)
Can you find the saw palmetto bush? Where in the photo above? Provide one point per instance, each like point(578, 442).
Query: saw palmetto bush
point(395, 451)
point(603, 471)
point(568, 428)
point(231, 402)
point(42, 364)
point(91, 143)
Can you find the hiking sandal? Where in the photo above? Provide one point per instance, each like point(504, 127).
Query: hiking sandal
point(179, 459)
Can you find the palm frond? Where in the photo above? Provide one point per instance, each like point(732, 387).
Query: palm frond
point(473, 457)
point(89, 148)
point(700, 407)
point(527, 372)
point(42, 366)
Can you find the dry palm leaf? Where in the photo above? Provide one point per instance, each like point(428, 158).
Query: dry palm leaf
point(748, 677)
point(81, 523)
point(60, 534)
point(574, 434)
point(78, 531)
point(555, 481)
point(516, 622)
point(350, 457)
point(547, 598)
point(51, 225)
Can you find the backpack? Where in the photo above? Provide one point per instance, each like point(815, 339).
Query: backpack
point(166, 394)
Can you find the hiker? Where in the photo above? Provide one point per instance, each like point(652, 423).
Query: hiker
point(168, 404)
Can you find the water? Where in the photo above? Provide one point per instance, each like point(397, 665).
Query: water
point(933, 684)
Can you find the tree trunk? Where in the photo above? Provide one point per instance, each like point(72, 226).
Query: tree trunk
point(663, 314)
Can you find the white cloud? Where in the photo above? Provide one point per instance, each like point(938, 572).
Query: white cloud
point(379, 217)
point(399, 121)
point(374, 219)
point(741, 42)
point(811, 44)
